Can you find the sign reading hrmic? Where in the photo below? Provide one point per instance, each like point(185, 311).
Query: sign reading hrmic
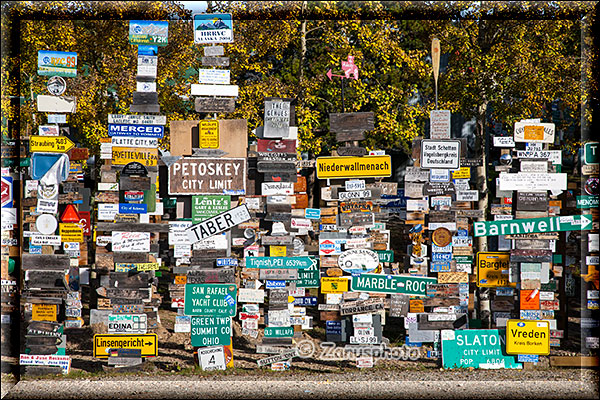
point(354, 167)
point(147, 343)
point(154, 131)
point(442, 154)
point(493, 269)
point(533, 225)
point(189, 176)
point(218, 223)
point(527, 337)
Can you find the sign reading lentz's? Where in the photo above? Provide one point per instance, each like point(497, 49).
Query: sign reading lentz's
point(189, 176)
point(351, 167)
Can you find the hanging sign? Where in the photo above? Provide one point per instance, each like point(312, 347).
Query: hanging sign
point(213, 28)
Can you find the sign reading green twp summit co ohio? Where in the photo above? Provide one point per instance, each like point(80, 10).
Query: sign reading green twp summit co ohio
point(533, 225)
point(411, 285)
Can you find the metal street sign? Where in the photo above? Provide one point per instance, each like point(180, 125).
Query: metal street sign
point(493, 269)
point(476, 348)
point(54, 144)
point(533, 225)
point(211, 331)
point(441, 154)
point(127, 119)
point(354, 167)
point(210, 299)
point(527, 337)
point(143, 130)
point(590, 153)
point(189, 176)
point(279, 262)
point(219, 223)
point(411, 285)
point(147, 344)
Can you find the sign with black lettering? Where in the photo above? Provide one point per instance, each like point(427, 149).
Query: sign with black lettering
point(219, 223)
point(189, 176)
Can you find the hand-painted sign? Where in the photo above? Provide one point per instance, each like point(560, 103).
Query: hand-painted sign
point(214, 76)
point(353, 167)
point(54, 144)
point(533, 225)
point(279, 262)
point(189, 176)
point(411, 285)
point(213, 28)
point(210, 299)
point(476, 348)
point(148, 131)
point(125, 155)
point(59, 63)
point(357, 261)
point(131, 242)
point(493, 269)
point(149, 33)
point(442, 154)
point(219, 223)
point(147, 344)
point(211, 331)
point(527, 337)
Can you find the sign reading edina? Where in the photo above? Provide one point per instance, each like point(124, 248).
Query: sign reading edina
point(189, 176)
point(533, 225)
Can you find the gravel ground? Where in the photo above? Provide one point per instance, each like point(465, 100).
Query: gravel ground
point(377, 383)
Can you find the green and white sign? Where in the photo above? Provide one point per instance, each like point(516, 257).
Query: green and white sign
point(588, 202)
point(477, 348)
point(279, 262)
point(309, 277)
point(279, 332)
point(211, 331)
point(205, 207)
point(411, 285)
point(533, 225)
point(385, 255)
point(590, 153)
point(210, 299)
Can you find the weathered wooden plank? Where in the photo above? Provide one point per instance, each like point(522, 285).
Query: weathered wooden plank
point(43, 279)
point(123, 280)
point(351, 151)
point(222, 275)
point(45, 261)
point(276, 166)
point(145, 108)
point(215, 61)
point(128, 227)
point(134, 183)
point(279, 208)
point(127, 257)
point(357, 122)
point(442, 321)
point(280, 177)
point(214, 104)
point(577, 361)
point(277, 240)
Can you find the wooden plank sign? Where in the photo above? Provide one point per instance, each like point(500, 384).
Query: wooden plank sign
point(351, 126)
point(189, 176)
point(354, 167)
point(214, 104)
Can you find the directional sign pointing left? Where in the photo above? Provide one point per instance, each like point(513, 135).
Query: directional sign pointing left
point(54, 144)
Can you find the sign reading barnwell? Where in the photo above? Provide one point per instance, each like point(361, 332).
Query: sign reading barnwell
point(189, 176)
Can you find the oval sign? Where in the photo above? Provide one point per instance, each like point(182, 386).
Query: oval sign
point(358, 261)
point(46, 224)
point(441, 237)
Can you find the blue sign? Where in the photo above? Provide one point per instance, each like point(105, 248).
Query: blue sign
point(528, 358)
point(59, 63)
point(133, 208)
point(440, 266)
point(477, 348)
point(441, 256)
point(144, 50)
point(333, 327)
point(275, 284)
point(35, 249)
point(149, 32)
point(305, 301)
point(227, 262)
point(312, 213)
point(412, 344)
point(153, 131)
point(213, 28)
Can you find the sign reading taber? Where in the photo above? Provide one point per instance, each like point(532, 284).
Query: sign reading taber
point(189, 176)
point(354, 167)
point(219, 223)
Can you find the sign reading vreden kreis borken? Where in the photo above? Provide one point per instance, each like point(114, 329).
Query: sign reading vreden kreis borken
point(533, 225)
point(218, 223)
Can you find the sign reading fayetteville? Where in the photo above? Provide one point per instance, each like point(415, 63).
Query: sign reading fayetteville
point(188, 176)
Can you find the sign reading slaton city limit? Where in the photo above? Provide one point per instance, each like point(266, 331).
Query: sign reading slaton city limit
point(210, 299)
point(354, 167)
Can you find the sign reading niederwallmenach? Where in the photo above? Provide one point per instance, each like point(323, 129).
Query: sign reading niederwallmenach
point(353, 167)
point(533, 225)
point(188, 176)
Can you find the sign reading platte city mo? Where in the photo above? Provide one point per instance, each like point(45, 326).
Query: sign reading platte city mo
point(189, 176)
point(218, 223)
point(411, 285)
point(442, 154)
point(527, 337)
point(533, 225)
point(354, 167)
point(210, 299)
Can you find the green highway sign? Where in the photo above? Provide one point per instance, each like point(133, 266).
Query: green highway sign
point(210, 299)
point(590, 153)
point(403, 284)
point(279, 262)
point(533, 225)
point(211, 331)
point(279, 332)
point(309, 277)
point(385, 255)
point(588, 202)
point(476, 348)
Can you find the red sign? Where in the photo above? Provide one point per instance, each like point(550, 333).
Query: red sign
point(277, 146)
point(244, 316)
point(70, 214)
point(7, 195)
point(78, 154)
point(85, 222)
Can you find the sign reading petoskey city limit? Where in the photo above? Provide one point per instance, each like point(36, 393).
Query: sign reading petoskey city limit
point(533, 225)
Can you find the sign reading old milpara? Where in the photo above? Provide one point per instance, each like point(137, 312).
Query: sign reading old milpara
point(227, 234)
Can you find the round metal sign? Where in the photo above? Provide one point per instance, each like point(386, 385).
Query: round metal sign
point(441, 237)
point(358, 261)
point(46, 224)
point(56, 85)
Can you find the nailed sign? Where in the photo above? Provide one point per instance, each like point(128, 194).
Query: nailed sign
point(526, 181)
point(533, 225)
point(277, 118)
point(125, 155)
point(204, 207)
point(208, 176)
point(351, 126)
point(219, 223)
point(534, 133)
point(441, 154)
point(354, 167)
point(411, 285)
point(55, 144)
point(210, 299)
